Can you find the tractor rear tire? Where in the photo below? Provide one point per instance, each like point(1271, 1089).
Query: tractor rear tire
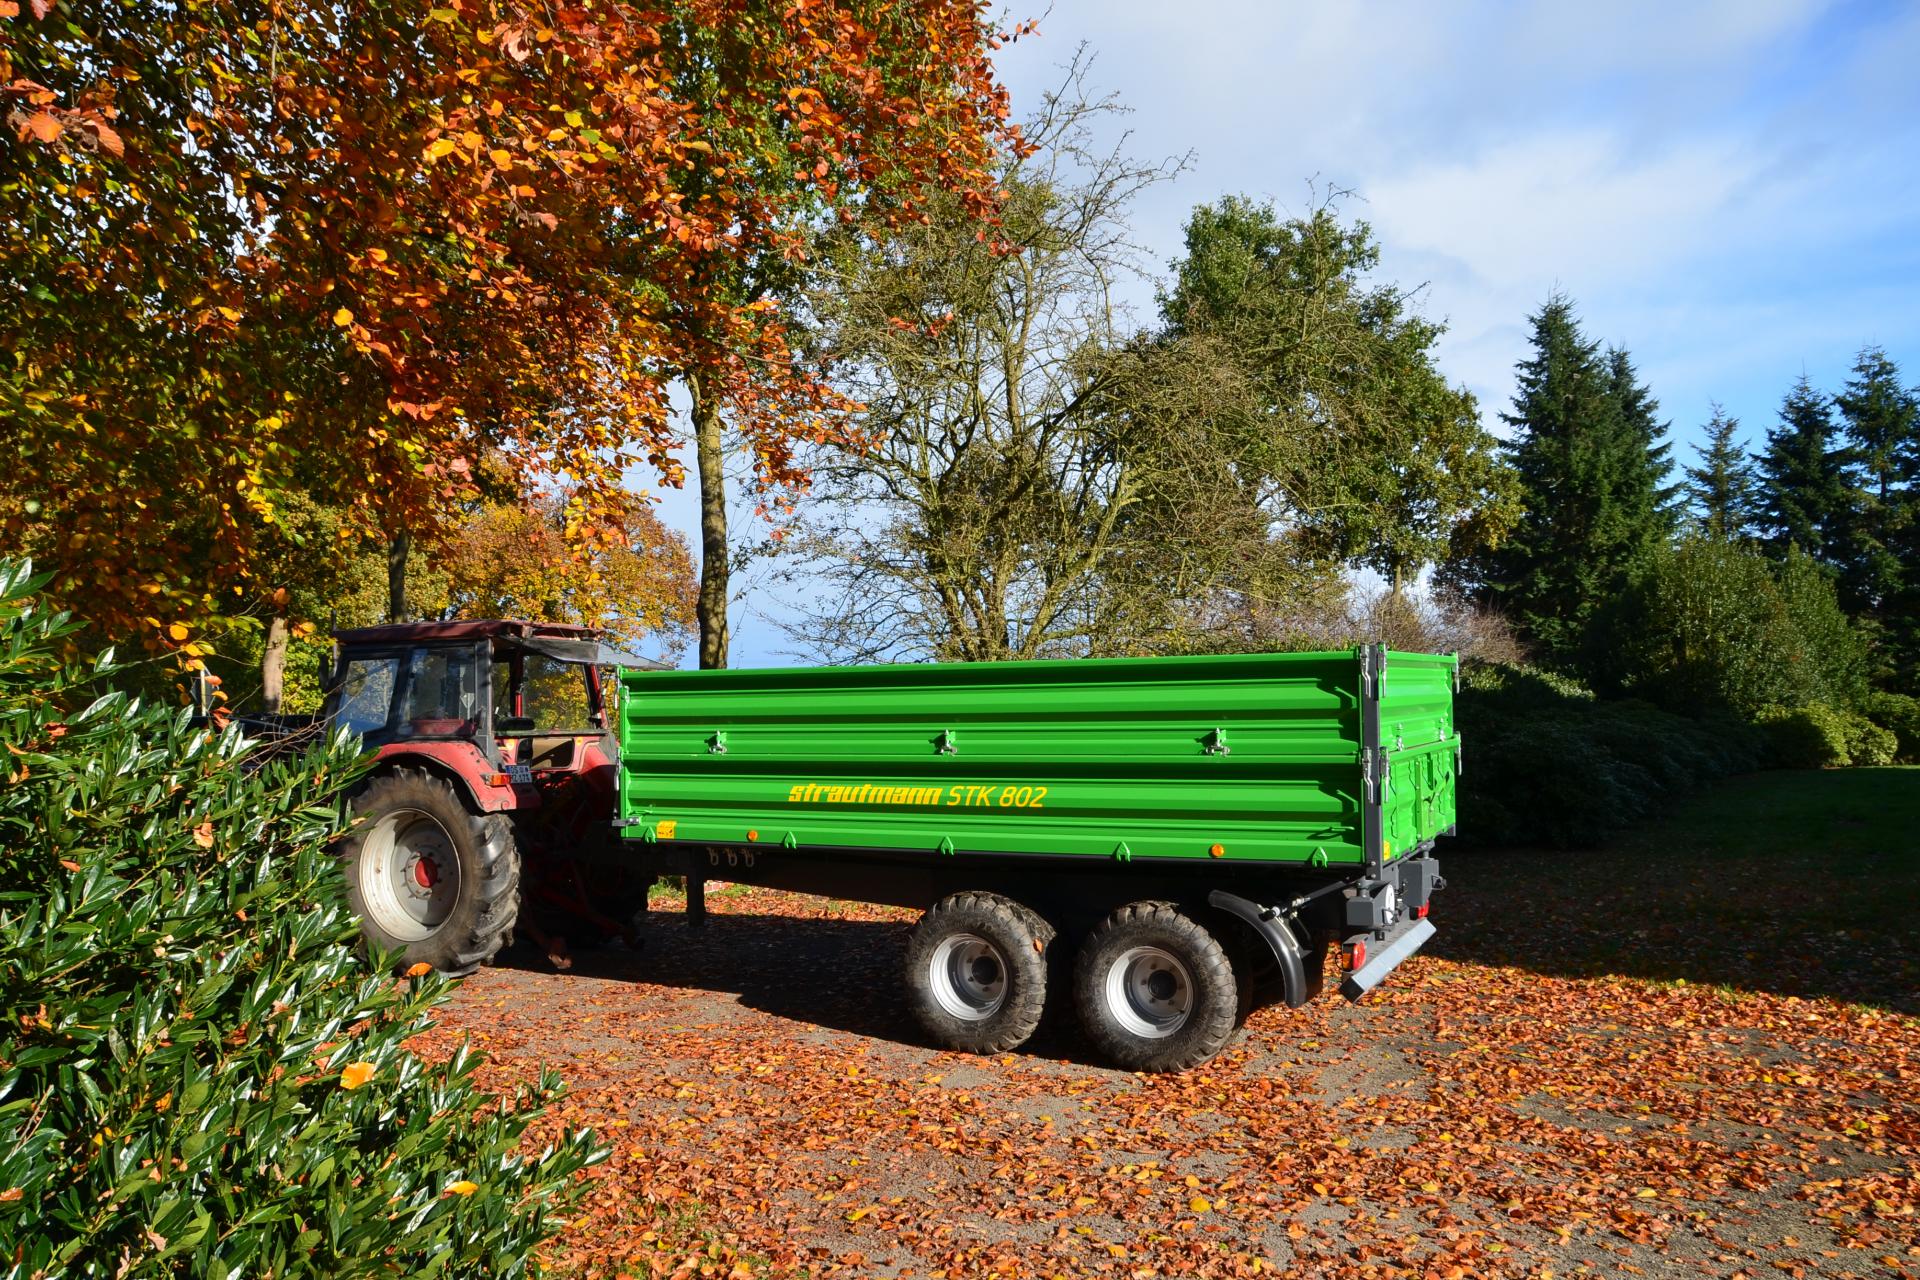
point(977, 972)
point(429, 877)
point(1155, 990)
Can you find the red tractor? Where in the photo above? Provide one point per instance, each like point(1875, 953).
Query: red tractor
point(488, 809)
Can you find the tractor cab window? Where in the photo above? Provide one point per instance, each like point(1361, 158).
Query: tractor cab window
point(552, 696)
point(442, 697)
point(366, 694)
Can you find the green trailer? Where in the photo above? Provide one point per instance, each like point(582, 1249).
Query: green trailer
point(1193, 834)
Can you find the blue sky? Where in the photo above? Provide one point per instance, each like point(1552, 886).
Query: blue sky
point(1731, 190)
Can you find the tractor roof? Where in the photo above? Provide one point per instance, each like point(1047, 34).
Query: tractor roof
point(484, 629)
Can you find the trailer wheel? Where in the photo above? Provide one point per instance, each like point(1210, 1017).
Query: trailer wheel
point(428, 877)
point(1155, 990)
point(977, 972)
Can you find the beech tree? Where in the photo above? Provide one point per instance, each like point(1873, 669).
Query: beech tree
point(512, 560)
point(262, 249)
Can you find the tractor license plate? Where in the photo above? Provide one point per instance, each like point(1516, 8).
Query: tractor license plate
point(519, 773)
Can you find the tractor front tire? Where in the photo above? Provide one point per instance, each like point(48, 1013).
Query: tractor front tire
point(427, 876)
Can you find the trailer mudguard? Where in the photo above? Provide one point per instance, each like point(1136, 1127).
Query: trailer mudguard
point(1298, 985)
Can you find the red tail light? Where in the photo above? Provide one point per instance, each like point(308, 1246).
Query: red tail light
point(1356, 955)
point(1420, 912)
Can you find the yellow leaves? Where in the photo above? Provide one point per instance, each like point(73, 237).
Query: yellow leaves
point(462, 1188)
point(343, 317)
point(419, 970)
point(442, 146)
point(1200, 1204)
point(858, 1214)
point(501, 157)
point(356, 1074)
point(176, 632)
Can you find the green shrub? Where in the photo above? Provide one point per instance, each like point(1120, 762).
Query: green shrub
point(1868, 743)
point(1832, 644)
point(1706, 627)
point(1814, 736)
point(1901, 714)
point(1547, 763)
point(181, 1086)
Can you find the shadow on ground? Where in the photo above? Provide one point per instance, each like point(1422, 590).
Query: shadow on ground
point(1804, 884)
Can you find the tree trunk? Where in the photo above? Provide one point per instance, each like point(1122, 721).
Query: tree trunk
point(709, 446)
point(273, 665)
point(397, 550)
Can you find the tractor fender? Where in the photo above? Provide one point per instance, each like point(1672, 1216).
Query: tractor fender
point(462, 765)
point(1272, 927)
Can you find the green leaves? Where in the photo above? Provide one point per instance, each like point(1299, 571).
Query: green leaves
point(181, 1011)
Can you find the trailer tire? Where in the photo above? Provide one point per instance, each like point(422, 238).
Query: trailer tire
point(1155, 990)
point(428, 877)
point(977, 972)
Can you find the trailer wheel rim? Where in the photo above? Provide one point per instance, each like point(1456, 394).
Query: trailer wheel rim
point(1149, 992)
point(968, 977)
point(409, 875)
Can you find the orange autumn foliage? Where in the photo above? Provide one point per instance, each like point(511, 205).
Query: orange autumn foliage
point(346, 252)
point(514, 561)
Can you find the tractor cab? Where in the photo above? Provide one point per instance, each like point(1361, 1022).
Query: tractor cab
point(509, 706)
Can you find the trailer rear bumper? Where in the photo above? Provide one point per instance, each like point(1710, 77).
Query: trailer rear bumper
point(1384, 957)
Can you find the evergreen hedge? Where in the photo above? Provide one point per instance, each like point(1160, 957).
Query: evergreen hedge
point(200, 1077)
point(1547, 763)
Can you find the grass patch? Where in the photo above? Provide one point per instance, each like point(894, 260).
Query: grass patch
point(1802, 882)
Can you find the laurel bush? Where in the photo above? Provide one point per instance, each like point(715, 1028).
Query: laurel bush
point(199, 1076)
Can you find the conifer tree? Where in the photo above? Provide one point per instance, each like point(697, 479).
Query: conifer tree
point(1645, 501)
point(1803, 487)
point(1588, 450)
point(1722, 489)
point(1880, 554)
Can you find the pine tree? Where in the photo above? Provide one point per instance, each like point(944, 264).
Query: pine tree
point(1722, 489)
point(1587, 448)
point(1645, 502)
point(1880, 553)
point(1803, 489)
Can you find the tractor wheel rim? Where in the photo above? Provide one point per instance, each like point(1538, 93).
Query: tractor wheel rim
point(409, 875)
point(968, 976)
point(1149, 992)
